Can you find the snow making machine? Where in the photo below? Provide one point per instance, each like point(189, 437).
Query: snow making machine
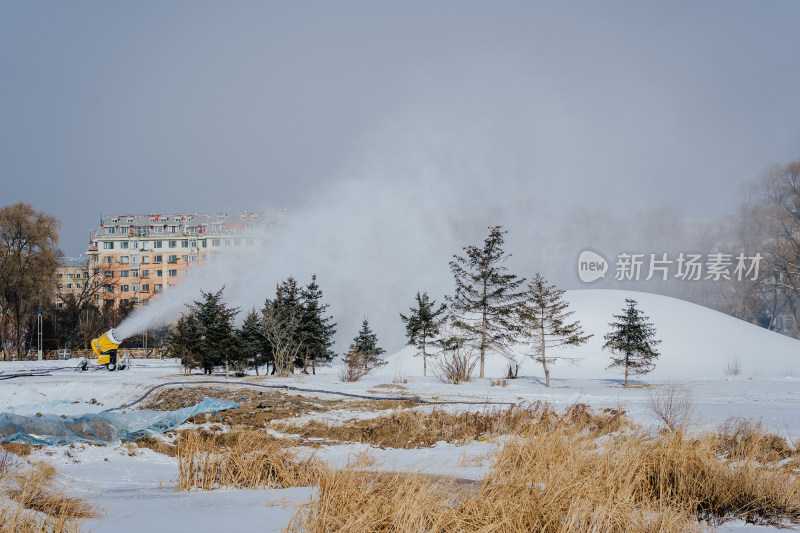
point(105, 348)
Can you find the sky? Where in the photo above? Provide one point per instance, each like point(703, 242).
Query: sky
point(394, 122)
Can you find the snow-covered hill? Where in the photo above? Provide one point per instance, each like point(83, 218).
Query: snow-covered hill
point(697, 342)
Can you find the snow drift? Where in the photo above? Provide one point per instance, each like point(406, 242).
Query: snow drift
point(697, 342)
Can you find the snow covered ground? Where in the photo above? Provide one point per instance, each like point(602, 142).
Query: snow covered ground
point(137, 487)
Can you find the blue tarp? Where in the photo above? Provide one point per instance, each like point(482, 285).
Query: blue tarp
point(100, 428)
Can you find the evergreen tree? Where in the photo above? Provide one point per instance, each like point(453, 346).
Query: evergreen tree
point(545, 322)
point(366, 344)
point(184, 342)
point(315, 330)
point(422, 325)
point(256, 349)
point(487, 297)
point(204, 336)
point(633, 340)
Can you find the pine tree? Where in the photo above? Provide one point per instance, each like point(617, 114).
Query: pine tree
point(633, 340)
point(204, 336)
point(422, 325)
point(544, 318)
point(316, 330)
point(184, 342)
point(366, 344)
point(487, 297)
point(257, 351)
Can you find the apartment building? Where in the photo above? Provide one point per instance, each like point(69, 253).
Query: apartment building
point(136, 257)
point(72, 277)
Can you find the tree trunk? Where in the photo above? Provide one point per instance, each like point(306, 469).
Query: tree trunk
point(483, 342)
point(424, 359)
point(626, 372)
point(544, 359)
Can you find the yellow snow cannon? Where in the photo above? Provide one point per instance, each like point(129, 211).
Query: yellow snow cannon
point(105, 348)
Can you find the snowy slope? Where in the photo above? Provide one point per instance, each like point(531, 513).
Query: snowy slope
point(697, 342)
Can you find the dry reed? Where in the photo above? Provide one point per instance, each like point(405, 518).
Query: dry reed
point(558, 476)
point(241, 459)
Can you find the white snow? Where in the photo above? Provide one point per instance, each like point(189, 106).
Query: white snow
point(138, 491)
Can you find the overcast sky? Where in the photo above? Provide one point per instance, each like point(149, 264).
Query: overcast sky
point(134, 107)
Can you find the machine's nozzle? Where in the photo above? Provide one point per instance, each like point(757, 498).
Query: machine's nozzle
point(105, 342)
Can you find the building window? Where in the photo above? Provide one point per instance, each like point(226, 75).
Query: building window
point(108, 273)
point(173, 273)
point(159, 273)
point(77, 285)
point(158, 244)
point(124, 229)
point(204, 243)
point(174, 229)
point(124, 245)
point(124, 273)
point(192, 243)
point(108, 288)
point(146, 287)
point(110, 230)
point(108, 246)
point(192, 258)
point(172, 259)
point(157, 287)
point(124, 288)
point(60, 275)
point(185, 243)
point(173, 244)
point(69, 276)
point(134, 287)
point(214, 242)
point(145, 273)
point(108, 260)
point(157, 259)
point(135, 259)
point(134, 272)
point(226, 242)
point(60, 285)
point(124, 259)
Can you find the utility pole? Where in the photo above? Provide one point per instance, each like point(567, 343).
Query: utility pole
point(39, 336)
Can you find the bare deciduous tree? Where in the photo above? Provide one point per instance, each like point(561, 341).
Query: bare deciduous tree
point(28, 259)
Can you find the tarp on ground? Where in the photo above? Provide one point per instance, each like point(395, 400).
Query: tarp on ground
point(100, 428)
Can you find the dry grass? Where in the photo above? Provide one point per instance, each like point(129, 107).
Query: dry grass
point(17, 448)
point(18, 520)
point(416, 428)
point(740, 439)
point(157, 445)
point(558, 476)
point(35, 505)
point(241, 459)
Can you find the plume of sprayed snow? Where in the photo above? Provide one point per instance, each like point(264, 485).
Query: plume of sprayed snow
point(389, 228)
